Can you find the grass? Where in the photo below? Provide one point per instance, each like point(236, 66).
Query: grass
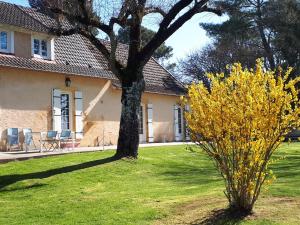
point(166, 185)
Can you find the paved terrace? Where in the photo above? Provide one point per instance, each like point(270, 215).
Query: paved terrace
point(21, 155)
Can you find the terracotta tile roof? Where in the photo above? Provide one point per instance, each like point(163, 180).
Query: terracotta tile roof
point(76, 55)
point(48, 66)
point(28, 18)
point(46, 20)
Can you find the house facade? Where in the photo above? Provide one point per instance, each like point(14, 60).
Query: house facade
point(59, 83)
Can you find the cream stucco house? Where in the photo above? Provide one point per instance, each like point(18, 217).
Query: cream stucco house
point(57, 83)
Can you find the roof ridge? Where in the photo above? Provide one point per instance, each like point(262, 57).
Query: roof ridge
point(20, 8)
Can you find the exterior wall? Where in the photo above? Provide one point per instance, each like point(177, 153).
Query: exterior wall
point(163, 115)
point(25, 102)
point(22, 45)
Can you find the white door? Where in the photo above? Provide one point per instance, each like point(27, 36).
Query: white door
point(62, 110)
point(142, 122)
point(178, 123)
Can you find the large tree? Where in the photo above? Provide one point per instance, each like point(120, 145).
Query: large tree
point(255, 29)
point(247, 17)
point(270, 26)
point(283, 19)
point(106, 16)
point(213, 58)
point(161, 54)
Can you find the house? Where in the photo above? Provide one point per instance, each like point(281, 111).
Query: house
point(56, 83)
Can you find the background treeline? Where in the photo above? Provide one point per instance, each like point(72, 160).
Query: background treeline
point(256, 28)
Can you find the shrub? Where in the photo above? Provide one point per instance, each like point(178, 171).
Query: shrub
point(239, 122)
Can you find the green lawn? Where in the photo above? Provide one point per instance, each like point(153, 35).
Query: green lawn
point(166, 185)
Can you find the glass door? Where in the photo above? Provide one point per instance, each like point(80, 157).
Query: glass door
point(65, 111)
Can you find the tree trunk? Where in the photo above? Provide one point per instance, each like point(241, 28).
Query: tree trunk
point(128, 141)
point(265, 42)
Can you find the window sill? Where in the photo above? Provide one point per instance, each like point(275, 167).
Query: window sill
point(41, 57)
point(43, 60)
point(6, 52)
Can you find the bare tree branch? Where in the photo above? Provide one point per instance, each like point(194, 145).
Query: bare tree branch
point(87, 21)
point(164, 33)
point(115, 66)
point(159, 10)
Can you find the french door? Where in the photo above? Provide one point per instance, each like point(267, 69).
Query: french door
point(66, 109)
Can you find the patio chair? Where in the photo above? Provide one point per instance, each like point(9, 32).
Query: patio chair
point(12, 138)
point(28, 138)
point(50, 142)
point(65, 137)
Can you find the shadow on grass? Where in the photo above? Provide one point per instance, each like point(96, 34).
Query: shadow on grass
point(288, 167)
point(31, 186)
point(221, 217)
point(191, 174)
point(14, 178)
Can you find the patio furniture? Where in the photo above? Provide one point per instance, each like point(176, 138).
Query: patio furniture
point(50, 142)
point(65, 138)
point(12, 138)
point(28, 138)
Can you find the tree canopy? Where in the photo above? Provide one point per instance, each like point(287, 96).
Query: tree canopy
point(161, 54)
point(256, 28)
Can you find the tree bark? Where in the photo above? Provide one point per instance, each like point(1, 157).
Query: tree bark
point(128, 141)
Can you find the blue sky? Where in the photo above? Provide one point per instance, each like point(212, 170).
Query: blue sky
point(188, 38)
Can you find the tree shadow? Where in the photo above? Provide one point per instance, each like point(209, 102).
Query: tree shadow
point(222, 217)
point(189, 174)
point(7, 180)
point(30, 186)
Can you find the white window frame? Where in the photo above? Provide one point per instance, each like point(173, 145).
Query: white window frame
point(50, 47)
point(10, 41)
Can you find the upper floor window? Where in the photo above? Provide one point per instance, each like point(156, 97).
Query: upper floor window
point(42, 48)
point(3, 40)
point(6, 41)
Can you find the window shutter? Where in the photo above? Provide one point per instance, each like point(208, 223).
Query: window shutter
point(150, 122)
point(187, 132)
point(176, 131)
point(56, 109)
point(78, 115)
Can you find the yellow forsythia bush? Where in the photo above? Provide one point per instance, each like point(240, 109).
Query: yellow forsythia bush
point(240, 122)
